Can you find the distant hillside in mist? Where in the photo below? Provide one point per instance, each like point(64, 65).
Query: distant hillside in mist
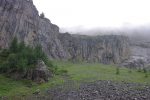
point(141, 33)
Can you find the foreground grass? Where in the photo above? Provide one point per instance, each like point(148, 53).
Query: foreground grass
point(12, 88)
point(78, 72)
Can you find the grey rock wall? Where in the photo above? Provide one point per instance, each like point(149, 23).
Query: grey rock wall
point(20, 18)
point(105, 49)
point(140, 55)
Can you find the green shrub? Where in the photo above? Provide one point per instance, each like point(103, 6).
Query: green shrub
point(61, 72)
point(139, 70)
point(130, 71)
point(20, 57)
point(145, 71)
point(117, 71)
point(14, 46)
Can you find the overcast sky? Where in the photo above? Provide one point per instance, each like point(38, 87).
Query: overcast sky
point(95, 13)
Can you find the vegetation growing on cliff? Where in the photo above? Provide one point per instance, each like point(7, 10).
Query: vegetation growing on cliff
point(19, 57)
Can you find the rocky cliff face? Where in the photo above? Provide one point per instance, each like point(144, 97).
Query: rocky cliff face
point(105, 49)
point(140, 54)
point(20, 18)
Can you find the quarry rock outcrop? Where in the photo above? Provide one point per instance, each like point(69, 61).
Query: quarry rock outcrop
point(20, 18)
point(105, 49)
point(140, 55)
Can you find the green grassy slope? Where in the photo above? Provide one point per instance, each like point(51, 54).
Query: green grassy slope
point(12, 88)
point(78, 72)
point(92, 72)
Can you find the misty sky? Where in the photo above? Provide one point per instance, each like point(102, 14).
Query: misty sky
point(95, 13)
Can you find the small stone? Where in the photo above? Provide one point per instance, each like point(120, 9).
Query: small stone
point(95, 92)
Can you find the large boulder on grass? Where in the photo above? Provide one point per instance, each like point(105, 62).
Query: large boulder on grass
point(41, 72)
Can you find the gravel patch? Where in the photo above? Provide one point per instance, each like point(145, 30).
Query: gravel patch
point(102, 90)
